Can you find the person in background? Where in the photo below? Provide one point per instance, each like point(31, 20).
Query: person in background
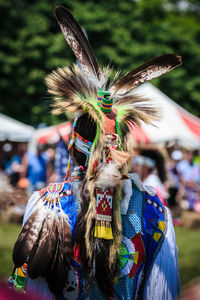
point(190, 179)
point(61, 160)
point(16, 164)
point(51, 174)
point(7, 152)
point(197, 164)
point(35, 168)
point(174, 177)
point(150, 166)
point(12, 162)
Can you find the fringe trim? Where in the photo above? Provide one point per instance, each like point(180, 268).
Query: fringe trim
point(103, 230)
point(163, 282)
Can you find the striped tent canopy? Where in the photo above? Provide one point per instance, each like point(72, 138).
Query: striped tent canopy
point(176, 123)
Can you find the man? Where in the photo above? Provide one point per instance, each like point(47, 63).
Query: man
point(189, 178)
point(150, 166)
point(87, 237)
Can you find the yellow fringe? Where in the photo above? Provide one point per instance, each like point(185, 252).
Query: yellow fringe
point(103, 230)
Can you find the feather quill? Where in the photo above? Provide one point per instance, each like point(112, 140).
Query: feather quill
point(148, 71)
point(78, 42)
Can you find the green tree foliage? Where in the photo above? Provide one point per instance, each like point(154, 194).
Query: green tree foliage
point(123, 33)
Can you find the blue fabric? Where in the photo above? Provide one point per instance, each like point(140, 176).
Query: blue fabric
point(154, 214)
point(36, 168)
point(132, 223)
point(16, 158)
point(142, 237)
point(163, 281)
point(69, 207)
point(61, 160)
point(138, 237)
point(68, 204)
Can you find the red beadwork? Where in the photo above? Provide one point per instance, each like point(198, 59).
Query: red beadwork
point(104, 204)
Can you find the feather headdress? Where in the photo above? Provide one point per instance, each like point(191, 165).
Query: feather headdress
point(111, 103)
point(76, 89)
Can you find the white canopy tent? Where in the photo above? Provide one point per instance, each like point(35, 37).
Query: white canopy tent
point(176, 124)
point(13, 130)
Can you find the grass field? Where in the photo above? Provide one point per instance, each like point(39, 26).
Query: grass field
point(187, 242)
point(8, 236)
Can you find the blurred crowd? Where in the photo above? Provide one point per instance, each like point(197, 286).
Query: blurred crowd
point(173, 172)
point(33, 170)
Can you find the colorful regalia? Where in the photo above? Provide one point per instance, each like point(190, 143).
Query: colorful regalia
point(100, 234)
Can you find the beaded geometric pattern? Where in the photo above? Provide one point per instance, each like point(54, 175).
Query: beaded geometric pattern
point(104, 205)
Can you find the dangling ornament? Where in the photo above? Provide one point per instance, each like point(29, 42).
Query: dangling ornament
point(103, 214)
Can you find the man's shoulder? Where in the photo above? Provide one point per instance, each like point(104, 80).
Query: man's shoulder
point(149, 194)
point(138, 184)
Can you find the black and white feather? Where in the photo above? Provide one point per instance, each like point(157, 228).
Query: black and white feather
point(79, 44)
point(45, 245)
point(148, 71)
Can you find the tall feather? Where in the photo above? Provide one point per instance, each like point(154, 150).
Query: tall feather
point(65, 237)
point(57, 275)
point(78, 42)
point(28, 236)
point(148, 71)
point(52, 260)
point(43, 249)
